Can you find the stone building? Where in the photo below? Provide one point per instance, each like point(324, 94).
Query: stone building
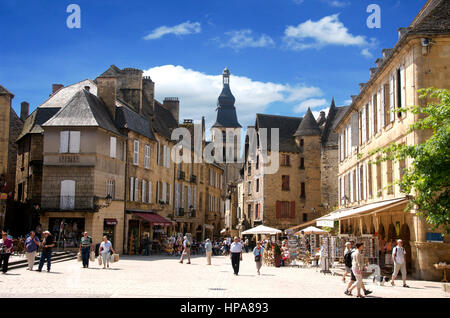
point(370, 202)
point(227, 131)
point(299, 191)
point(10, 127)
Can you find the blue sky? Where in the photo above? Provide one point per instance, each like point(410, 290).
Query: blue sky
point(284, 55)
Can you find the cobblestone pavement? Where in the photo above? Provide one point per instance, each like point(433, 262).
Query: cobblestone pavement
point(159, 276)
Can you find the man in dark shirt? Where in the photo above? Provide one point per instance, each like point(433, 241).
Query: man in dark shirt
point(46, 254)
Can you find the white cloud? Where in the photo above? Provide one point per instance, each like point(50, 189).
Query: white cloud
point(180, 29)
point(317, 34)
point(337, 4)
point(316, 114)
point(198, 93)
point(366, 53)
point(244, 38)
point(313, 103)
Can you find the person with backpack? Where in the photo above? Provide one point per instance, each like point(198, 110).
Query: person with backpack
point(186, 251)
point(347, 260)
point(398, 258)
point(348, 264)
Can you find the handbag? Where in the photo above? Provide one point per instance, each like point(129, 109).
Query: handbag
point(79, 257)
point(99, 260)
point(92, 256)
point(257, 258)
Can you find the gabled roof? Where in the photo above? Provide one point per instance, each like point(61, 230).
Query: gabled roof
point(129, 119)
point(62, 96)
point(4, 91)
point(112, 71)
point(163, 121)
point(32, 124)
point(84, 109)
point(287, 127)
point(308, 126)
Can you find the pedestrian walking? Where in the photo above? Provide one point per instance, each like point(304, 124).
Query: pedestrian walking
point(358, 267)
point(186, 250)
point(246, 245)
point(85, 249)
point(236, 255)
point(147, 245)
point(399, 259)
point(6, 247)
point(105, 251)
point(208, 249)
point(258, 252)
point(47, 247)
point(31, 247)
point(347, 261)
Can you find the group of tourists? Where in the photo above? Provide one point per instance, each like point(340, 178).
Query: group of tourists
point(354, 265)
point(235, 250)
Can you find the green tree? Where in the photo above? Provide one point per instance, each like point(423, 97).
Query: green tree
point(427, 181)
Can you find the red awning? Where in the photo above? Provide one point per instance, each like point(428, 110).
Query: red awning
point(154, 218)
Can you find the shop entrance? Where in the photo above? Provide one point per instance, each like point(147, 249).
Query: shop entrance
point(109, 230)
point(67, 231)
point(133, 237)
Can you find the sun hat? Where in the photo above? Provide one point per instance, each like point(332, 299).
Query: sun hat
point(48, 232)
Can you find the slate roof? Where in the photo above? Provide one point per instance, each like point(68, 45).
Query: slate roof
point(32, 124)
point(163, 121)
point(287, 127)
point(84, 109)
point(308, 126)
point(433, 18)
point(225, 111)
point(62, 96)
point(129, 119)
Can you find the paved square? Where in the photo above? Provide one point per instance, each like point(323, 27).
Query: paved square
point(159, 276)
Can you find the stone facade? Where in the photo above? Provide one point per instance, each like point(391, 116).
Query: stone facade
point(371, 124)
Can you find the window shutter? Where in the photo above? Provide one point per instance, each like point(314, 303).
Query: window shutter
point(112, 147)
point(382, 106)
point(182, 196)
point(67, 198)
point(363, 124)
point(74, 142)
point(131, 189)
point(195, 197)
point(170, 194)
point(391, 98)
point(293, 210)
point(157, 191)
point(365, 182)
point(164, 191)
point(370, 120)
point(351, 186)
point(136, 189)
point(403, 86)
point(278, 209)
point(64, 141)
point(136, 152)
point(144, 191)
point(149, 192)
point(158, 155)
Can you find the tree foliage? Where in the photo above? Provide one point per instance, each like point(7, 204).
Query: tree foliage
point(427, 180)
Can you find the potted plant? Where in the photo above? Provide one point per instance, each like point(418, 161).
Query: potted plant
point(277, 255)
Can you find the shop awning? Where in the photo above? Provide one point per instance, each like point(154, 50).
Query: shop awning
point(311, 230)
point(347, 213)
point(262, 229)
point(153, 218)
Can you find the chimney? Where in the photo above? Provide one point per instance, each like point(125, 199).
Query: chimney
point(172, 104)
point(322, 119)
point(148, 90)
point(56, 87)
point(24, 109)
point(106, 90)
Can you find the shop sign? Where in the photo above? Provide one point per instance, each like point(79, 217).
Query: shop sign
point(327, 223)
point(111, 221)
point(3, 196)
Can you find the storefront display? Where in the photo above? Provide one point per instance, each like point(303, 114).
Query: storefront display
point(67, 231)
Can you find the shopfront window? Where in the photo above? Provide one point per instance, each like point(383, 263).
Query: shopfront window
point(66, 231)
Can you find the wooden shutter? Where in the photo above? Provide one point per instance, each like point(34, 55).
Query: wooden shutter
point(292, 209)
point(363, 124)
point(403, 86)
point(144, 191)
point(149, 192)
point(112, 147)
point(382, 106)
point(131, 189)
point(136, 189)
point(164, 192)
point(64, 141)
point(74, 142)
point(278, 209)
point(391, 98)
point(136, 152)
point(67, 199)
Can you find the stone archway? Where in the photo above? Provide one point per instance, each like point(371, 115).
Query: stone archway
point(405, 235)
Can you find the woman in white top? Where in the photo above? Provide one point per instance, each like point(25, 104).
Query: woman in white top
point(104, 251)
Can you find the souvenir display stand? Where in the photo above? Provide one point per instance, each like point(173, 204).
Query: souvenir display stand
point(326, 254)
point(294, 249)
point(371, 248)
